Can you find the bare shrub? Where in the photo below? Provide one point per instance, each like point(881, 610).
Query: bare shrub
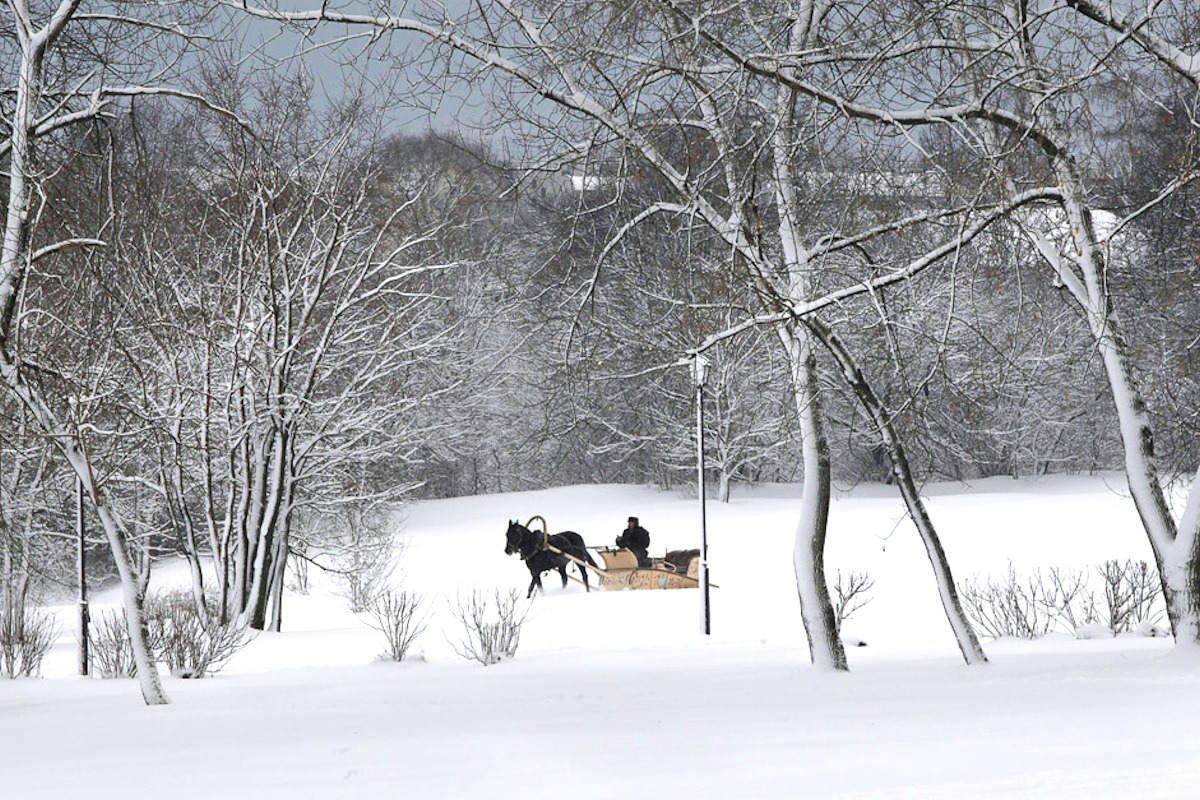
point(1066, 599)
point(111, 651)
point(396, 615)
point(176, 636)
point(26, 635)
point(492, 635)
point(1007, 607)
point(360, 542)
point(181, 640)
point(851, 593)
point(1061, 599)
point(1131, 592)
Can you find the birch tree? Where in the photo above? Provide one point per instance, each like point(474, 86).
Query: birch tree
point(1081, 266)
point(1077, 250)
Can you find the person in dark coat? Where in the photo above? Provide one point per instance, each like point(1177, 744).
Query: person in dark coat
point(637, 539)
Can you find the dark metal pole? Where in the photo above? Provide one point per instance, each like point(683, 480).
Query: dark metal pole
point(84, 616)
point(705, 607)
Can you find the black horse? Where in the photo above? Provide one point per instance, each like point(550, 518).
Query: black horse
point(532, 547)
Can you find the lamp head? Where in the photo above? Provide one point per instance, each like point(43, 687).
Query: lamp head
point(700, 369)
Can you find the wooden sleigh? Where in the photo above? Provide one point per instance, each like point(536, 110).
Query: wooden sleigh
point(621, 570)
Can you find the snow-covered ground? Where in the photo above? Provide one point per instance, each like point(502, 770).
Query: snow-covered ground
point(617, 694)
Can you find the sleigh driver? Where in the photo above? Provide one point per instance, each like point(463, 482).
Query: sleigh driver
point(636, 539)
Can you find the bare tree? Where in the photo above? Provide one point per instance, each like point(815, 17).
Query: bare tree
point(47, 97)
point(1078, 251)
point(314, 351)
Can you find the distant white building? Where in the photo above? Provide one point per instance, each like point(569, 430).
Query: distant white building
point(586, 183)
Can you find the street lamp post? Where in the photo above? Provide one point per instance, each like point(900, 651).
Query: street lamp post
point(82, 564)
point(699, 375)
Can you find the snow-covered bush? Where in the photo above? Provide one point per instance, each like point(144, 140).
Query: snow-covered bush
point(396, 615)
point(491, 634)
point(26, 635)
point(1095, 630)
point(176, 635)
point(1153, 630)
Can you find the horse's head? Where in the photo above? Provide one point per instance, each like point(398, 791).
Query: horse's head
point(515, 536)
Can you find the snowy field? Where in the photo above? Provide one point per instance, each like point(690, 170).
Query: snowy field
point(617, 694)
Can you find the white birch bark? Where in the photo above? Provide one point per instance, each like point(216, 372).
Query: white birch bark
point(820, 622)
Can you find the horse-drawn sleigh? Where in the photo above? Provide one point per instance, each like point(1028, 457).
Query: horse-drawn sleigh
point(543, 551)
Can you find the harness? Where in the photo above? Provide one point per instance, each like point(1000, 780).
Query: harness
point(544, 542)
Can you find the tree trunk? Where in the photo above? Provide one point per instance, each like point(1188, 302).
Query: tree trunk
point(278, 574)
point(263, 565)
point(820, 622)
point(964, 634)
point(1176, 551)
point(147, 670)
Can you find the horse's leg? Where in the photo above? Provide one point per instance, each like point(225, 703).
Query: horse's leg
point(536, 582)
point(562, 570)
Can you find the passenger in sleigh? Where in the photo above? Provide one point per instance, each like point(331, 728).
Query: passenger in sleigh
point(637, 539)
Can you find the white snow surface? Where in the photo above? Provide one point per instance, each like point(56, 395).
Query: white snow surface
point(618, 694)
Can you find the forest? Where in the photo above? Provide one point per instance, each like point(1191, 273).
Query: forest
point(268, 271)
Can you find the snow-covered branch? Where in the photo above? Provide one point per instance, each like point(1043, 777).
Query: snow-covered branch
point(1184, 64)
